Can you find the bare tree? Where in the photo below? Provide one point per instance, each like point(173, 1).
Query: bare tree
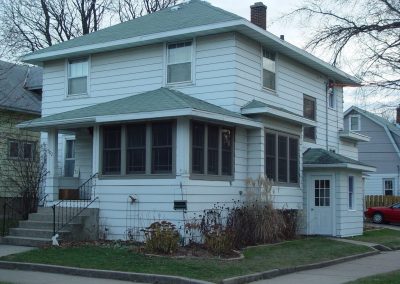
point(366, 31)
point(129, 10)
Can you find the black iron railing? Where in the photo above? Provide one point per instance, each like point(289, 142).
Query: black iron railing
point(18, 208)
point(65, 211)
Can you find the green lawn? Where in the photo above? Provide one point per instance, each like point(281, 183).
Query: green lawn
point(386, 237)
point(256, 259)
point(392, 278)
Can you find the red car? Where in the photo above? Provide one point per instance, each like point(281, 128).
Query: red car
point(389, 214)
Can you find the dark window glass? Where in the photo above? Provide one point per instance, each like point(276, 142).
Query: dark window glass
point(212, 151)
point(162, 147)
point(13, 151)
point(69, 158)
point(282, 159)
point(136, 149)
point(198, 130)
point(309, 108)
point(112, 150)
point(309, 132)
point(270, 156)
point(293, 160)
point(227, 140)
point(28, 151)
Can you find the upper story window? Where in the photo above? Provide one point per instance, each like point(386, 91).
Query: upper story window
point(179, 62)
point(354, 123)
point(331, 94)
point(309, 111)
point(212, 150)
point(268, 69)
point(282, 157)
point(141, 148)
point(77, 76)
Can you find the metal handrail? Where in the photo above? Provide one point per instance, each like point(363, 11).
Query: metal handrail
point(69, 209)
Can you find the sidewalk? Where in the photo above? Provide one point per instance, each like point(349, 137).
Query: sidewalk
point(342, 273)
point(8, 249)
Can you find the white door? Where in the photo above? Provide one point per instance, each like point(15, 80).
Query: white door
point(321, 207)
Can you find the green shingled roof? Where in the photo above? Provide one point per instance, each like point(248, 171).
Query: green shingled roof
point(258, 104)
point(190, 14)
point(323, 157)
point(157, 100)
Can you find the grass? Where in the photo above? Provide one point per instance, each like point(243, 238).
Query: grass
point(391, 277)
point(386, 237)
point(256, 259)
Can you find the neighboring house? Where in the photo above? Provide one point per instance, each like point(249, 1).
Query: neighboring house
point(187, 103)
point(382, 151)
point(20, 95)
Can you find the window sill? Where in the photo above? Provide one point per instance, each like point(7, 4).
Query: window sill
point(211, 177)
point(180, 84)
point(314, 141)
point(269, 91)
point(282, 184)
point(331, 108)
point(77, 96)
point(141, 176)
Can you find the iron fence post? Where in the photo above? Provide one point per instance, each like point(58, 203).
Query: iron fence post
point(4, 220)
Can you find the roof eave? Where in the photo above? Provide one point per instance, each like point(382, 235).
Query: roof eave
point(363, 168)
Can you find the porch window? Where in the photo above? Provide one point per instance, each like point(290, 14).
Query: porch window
point(179, 62)
point(309, 111)
point(212, 150)
point(134, 149)
point(388, 186)
point(77, 76)
point(268, 69)
point(282, 157)
point(69, 165)
point(351, 192)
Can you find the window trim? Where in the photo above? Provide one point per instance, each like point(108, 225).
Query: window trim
point(351, 193)
point(65, 155)
point(193, 62)
point(288, 137)
point(333, 94)
point(82, 95)
point(358, 124)
point(206, 176)
point(266, 89)
point(21, 149)
point(148, 173)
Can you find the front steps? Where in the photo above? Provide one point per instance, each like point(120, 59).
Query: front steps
point(38, 229)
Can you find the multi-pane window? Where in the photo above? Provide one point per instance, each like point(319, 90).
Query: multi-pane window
point(282, 157)
point(268, 69)
point(18, 149)
point(354, 122)
point(322, 189)
point(351, 192)
point(77, 76)
point(143, 148)
point(179, 62)
point(309, 111)
point(212, 149)
point(69, 164)
point(388, 185)
point(136, 148)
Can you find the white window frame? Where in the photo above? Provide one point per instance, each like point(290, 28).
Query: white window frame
point(193, 62)
point(65, 155)
point(273, 91)
point(359, 122)
point(384, 185)
point(332, 99)
point(82, 95)
point(351, 191)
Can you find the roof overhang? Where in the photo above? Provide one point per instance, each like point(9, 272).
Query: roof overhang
point(243, 26)
point(341, 165)
point(273, 112)
point(353, 136)
point(87, 121)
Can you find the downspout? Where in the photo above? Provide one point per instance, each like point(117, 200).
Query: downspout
point(326, 114)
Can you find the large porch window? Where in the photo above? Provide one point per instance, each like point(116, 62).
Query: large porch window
point(212, 150)
point(138, 149)
point(282, 157)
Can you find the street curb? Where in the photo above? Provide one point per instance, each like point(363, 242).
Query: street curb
point(283, 271)
point(96, 273)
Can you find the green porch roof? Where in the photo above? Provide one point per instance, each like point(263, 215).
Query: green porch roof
point(257, 104)
point(320, 157)
point(162, 99)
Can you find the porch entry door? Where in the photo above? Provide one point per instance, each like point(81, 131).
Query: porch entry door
point(321, 205)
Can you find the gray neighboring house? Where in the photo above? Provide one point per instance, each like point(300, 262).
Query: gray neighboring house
point(20, 99)
point(382, 151)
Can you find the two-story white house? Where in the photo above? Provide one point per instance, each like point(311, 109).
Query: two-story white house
point(178, 108)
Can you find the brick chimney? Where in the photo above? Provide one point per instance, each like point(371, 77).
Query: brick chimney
point(259, 15)
point(398, 115)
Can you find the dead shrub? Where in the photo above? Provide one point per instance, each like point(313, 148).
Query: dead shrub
point(161, 237)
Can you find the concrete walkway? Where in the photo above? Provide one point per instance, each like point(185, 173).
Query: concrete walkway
point(8, 249)
point(344, 272)
point(30, 277)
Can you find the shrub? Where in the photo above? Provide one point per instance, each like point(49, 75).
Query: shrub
point(161, 237)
